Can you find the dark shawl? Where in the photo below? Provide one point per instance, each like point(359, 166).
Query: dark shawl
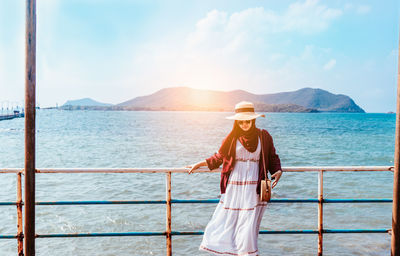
point(227, 153)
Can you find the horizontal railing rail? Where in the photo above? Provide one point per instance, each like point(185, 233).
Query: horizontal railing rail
point(207, 201)
point(169, 201)
point(185, 170)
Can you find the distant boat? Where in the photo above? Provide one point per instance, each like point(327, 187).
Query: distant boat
point(17, 113)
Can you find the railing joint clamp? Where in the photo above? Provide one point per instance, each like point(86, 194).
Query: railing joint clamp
point(20, 236)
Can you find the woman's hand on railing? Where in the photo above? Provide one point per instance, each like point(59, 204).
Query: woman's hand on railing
point(196, 166)
point(276, 176)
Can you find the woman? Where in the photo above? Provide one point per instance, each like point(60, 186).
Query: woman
point(234, 227)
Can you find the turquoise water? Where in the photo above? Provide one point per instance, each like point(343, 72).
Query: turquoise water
point(81, 139)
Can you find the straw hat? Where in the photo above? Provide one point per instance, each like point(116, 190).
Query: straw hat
point(244, 111)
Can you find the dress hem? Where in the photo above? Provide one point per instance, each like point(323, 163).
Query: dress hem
point(203, 248)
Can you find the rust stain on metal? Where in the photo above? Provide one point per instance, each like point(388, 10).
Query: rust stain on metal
point(168, 223)
point(395, 242)
point(320, 212)
point(20, 235)
point(30, 115)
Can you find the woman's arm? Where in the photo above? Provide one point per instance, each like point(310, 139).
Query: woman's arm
point(276, 176)
point(274, 160)
point(215, 161)
point(212, 163)
point(196, 166)
point(274, 164)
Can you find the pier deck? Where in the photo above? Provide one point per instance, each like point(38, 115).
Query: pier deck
point(11, 116)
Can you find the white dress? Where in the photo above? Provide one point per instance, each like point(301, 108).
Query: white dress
point(234, 226)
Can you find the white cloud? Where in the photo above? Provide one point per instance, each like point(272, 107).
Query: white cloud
point(330, 64)
point(358, 9)
point(228, 51)
point(229, 32)
point(309, 16)
point(363, 9)
point(348, 6)
point(225, 51)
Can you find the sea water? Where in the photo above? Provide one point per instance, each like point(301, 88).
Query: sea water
point(109, 139)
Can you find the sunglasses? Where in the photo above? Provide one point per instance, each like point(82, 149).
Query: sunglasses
point(245, 121)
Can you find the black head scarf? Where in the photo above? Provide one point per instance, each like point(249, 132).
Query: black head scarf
point(249, 140)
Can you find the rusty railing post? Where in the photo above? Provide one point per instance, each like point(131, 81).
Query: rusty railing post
point(395, 250)
point(320, 212)
point(168, 228)
point(20, 235)
point(30, 102)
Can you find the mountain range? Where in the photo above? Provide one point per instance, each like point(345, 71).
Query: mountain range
point(186, 99)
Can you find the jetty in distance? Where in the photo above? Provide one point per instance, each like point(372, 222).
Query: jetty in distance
point(10, 110)
point(14, 114)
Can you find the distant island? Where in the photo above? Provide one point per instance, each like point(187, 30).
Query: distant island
point(86, 102)
point(306, 100)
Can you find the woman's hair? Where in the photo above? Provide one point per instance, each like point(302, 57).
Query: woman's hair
point(237, 133)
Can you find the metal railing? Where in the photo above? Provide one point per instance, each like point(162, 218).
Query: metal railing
point(169, 201)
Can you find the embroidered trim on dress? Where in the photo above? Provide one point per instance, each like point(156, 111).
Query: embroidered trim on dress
point(243, 209)
point(234, 182)
point(245, 160)
point(239, 209)
point(230, 253)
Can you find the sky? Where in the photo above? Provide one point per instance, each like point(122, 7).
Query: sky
point(115, 50)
